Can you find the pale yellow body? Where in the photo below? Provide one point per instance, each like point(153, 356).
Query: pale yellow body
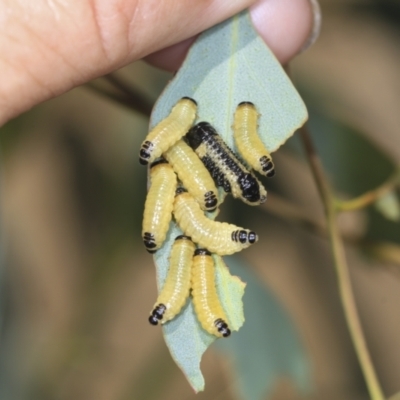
point(248, 142)
point(159, 204)
point(170, 129)
point(192, 173)
point(176, 288)
point(217, 237)
point(206, 303)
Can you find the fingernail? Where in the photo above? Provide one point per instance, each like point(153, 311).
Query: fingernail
point(317, 19)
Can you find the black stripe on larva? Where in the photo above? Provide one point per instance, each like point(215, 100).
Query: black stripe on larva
point(203, 132)
point(243, 236)
point(145, 152)
point(216, 174)
point(246, 103)
point(202, 252)
point(211, 201)
point(149, 242)
point(158, 162)
point(183, 237)
point(157, 314)
point(222, 327)
point(189, 98)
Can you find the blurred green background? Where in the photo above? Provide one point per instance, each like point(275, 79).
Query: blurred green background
point(77, 284)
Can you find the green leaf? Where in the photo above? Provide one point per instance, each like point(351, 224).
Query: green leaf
point(267, 346)
point(227, 64)
point(185, 338)
point(389, 206)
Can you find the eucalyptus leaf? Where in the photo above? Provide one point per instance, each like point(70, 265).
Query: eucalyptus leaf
point(388, 205)
point(267, 346)
point(228, 64)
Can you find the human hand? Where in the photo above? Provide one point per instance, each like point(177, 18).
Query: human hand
point(47, 47)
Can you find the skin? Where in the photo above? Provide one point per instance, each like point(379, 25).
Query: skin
point(48, 47)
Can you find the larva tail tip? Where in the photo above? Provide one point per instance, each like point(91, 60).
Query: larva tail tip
point(189, 98)
point(153, 320)
point(246, 103)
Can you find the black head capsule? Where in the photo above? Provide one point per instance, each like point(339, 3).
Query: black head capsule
point(157, 314)
point(149, 242)
point(158, 162)
point(145, 152)
point(222, 327)
point(246, 103)
point(183, 237)
point(211, 201)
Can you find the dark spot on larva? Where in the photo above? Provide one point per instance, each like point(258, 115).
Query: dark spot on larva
point(180, 190)
point(253, 237)
point(158, 162)
point(250, 188)
point(210, 200)
point(149, 242)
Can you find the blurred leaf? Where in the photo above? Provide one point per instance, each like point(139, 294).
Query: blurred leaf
point(395, 397)
point(228, 64)
point(185, 338)
point(389, 206)
point(354, 164)
point(267, 346)
point(384, 251)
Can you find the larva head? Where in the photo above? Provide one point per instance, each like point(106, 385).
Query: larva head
point(145, 152)
point(198, 133)
point(149, 242)
point(222, 327)
point(210, 200)
point(157, 314)
point(250, 189)
point(267, 166)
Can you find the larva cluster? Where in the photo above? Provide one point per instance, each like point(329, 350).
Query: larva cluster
point(187, 164)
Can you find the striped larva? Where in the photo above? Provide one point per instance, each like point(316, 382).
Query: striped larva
point(159, 205)
point(218, 237)
point(193, 174)
point(169, 130)
point(248, 142)
point(225, 168)
point(206, 303)
point(176, 288)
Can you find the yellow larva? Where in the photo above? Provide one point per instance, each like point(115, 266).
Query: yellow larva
point(248, 142)
point(176, 288)
point(168, 131)
point(225, 168)
point(193, 174)
point(206, 303)
point(218, 237)
point(159, 205)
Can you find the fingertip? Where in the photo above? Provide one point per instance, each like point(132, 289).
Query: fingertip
point(285, 25)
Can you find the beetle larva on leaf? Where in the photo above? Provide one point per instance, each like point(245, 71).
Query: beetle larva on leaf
point(176, 288)
point(249, 144)
point(168, 131)
point(193, 174)
point(218, 237)
point(206, 303)
point(159, 205)
point(225, 168)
